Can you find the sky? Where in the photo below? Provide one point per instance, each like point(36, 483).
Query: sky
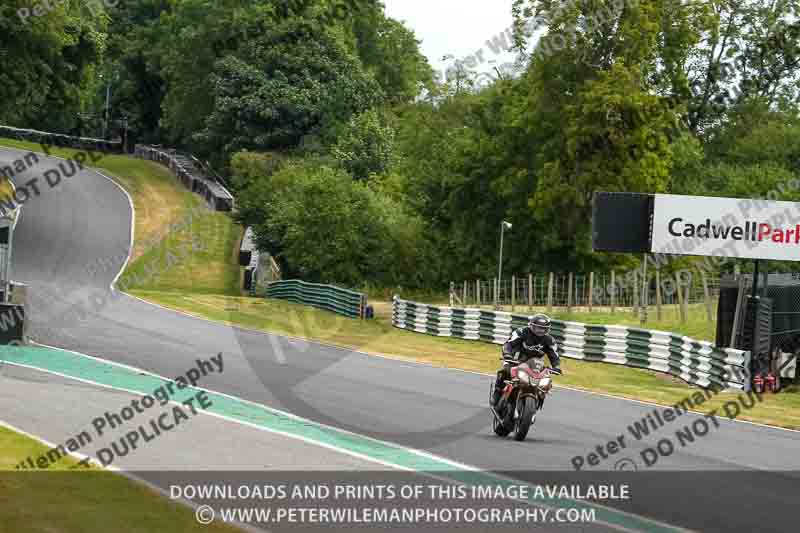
point(457, 27)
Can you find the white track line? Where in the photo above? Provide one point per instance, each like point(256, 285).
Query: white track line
point(133, 225)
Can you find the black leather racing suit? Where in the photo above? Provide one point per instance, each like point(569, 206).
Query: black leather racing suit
point(524, 344)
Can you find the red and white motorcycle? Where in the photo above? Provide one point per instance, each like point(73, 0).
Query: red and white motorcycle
point(522, 397)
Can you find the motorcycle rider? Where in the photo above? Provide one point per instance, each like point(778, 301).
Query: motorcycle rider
point(531, 341)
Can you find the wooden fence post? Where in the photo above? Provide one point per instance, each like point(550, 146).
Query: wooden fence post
point(687, 297)
point(550, 293)
point(530, 292)
point(591, 291)
point(645, 290)
point(658, 294)
point(681, 308)
point(569, 293)
point(707, 298)
point(513, 292)
point(613, 291)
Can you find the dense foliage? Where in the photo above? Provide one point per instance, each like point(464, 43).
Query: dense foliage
point(355, 166)
point(48, 63)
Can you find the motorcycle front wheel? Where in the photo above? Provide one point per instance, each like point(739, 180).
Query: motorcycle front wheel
point(525, 419)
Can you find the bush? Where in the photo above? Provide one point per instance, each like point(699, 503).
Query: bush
point(366, 145)
point(328, 228)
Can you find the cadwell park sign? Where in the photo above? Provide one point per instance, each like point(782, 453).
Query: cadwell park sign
point(729, 227)
point(726, 228)
point(696, 225)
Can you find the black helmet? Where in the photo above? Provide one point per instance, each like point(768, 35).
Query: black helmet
point(540, 324)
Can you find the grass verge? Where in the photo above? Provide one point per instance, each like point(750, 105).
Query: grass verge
point(379, 337)
point(697, 325)
point(62, 500)
point(6, 189)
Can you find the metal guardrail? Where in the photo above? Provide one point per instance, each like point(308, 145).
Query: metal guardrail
point(210, 172)
point(250, 258)
point(64, 141)
point(247, 248)
point(696, 362)
point(329, 297)
point(260, 268)
point(191, 174)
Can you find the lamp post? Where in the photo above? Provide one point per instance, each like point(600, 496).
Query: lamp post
point(503, 226)
point(105, 120)
point(115, 77)
point(497, 70)
point(125, 134)
point(108, 101)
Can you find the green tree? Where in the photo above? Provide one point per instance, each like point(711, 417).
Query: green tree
point(134, 58)
point(755, 133)
point(48, 62)
point(750, 49)
point(294, 80)
point(326, 227)
point(251, 178)
point(594, 113)
point(390, 51)
point(366, 145)
point(192, 36)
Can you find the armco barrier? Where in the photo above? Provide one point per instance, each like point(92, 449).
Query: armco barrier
point(342, 301)
point(251, 273)
point(696, 362)
point(250, 259)
point(57, 139)
point(247, 247)
point(191, 173)
point(12, 316)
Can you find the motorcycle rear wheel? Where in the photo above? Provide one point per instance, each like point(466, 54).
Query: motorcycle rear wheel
point(501, 430)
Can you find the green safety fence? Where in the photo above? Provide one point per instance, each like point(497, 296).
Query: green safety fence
point(329, 297)
point(696, 362)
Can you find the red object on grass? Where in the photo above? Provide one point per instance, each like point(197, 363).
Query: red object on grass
point(771, 384)
point(758, 384)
